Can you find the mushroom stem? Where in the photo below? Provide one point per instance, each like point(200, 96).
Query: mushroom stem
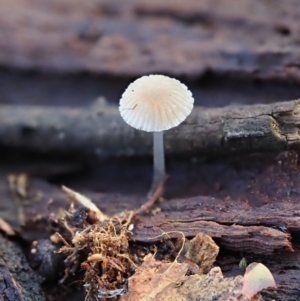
point(158, 160)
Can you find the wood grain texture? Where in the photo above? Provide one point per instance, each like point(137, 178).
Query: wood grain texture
point(18, 282)
point(99, 131)
point(250, 38)
point(234, 225)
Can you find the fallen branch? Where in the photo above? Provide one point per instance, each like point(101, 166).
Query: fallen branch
point(99, 131)
point(146, 207)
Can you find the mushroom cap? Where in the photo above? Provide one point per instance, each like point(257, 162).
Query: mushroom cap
point(156, 103)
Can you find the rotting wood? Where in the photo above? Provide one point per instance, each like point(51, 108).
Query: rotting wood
point(209, 215)
point(17, 280)
point(190, 218)
point(234, 225)
point(168, 206)
point(99, 131)
point(253, 239)
point(284, 216)
point(161, 36)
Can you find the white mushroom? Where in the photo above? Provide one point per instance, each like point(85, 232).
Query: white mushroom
point(156, 103)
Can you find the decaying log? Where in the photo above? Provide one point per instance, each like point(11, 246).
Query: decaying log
point(234, 225)
point(138, 37)
point(17, 280)
point(233, 231)
point(245, 190)
point(284, 216)
point(253, 239)
point(99, 131)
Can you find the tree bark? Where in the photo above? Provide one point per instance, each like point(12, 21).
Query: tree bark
point(234, 225)
point(99, 131)
point(141, 37)
point(17, 281)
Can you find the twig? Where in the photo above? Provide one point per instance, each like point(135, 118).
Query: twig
point(210, 132)
point(145, 208)
point(84, 201)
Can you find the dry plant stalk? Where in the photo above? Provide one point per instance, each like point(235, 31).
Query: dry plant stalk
point(146, 207)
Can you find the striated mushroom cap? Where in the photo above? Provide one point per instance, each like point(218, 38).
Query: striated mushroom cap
point(156, 103)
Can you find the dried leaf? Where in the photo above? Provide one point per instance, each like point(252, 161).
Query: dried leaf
point(152, 278)
point(257, 277)
point(156, 280)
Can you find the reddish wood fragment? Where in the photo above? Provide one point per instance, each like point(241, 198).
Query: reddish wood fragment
point(255, 239)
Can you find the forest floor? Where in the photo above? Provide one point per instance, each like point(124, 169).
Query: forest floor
point(233, 167)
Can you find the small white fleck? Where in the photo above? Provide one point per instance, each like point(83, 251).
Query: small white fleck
point(130, 227)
